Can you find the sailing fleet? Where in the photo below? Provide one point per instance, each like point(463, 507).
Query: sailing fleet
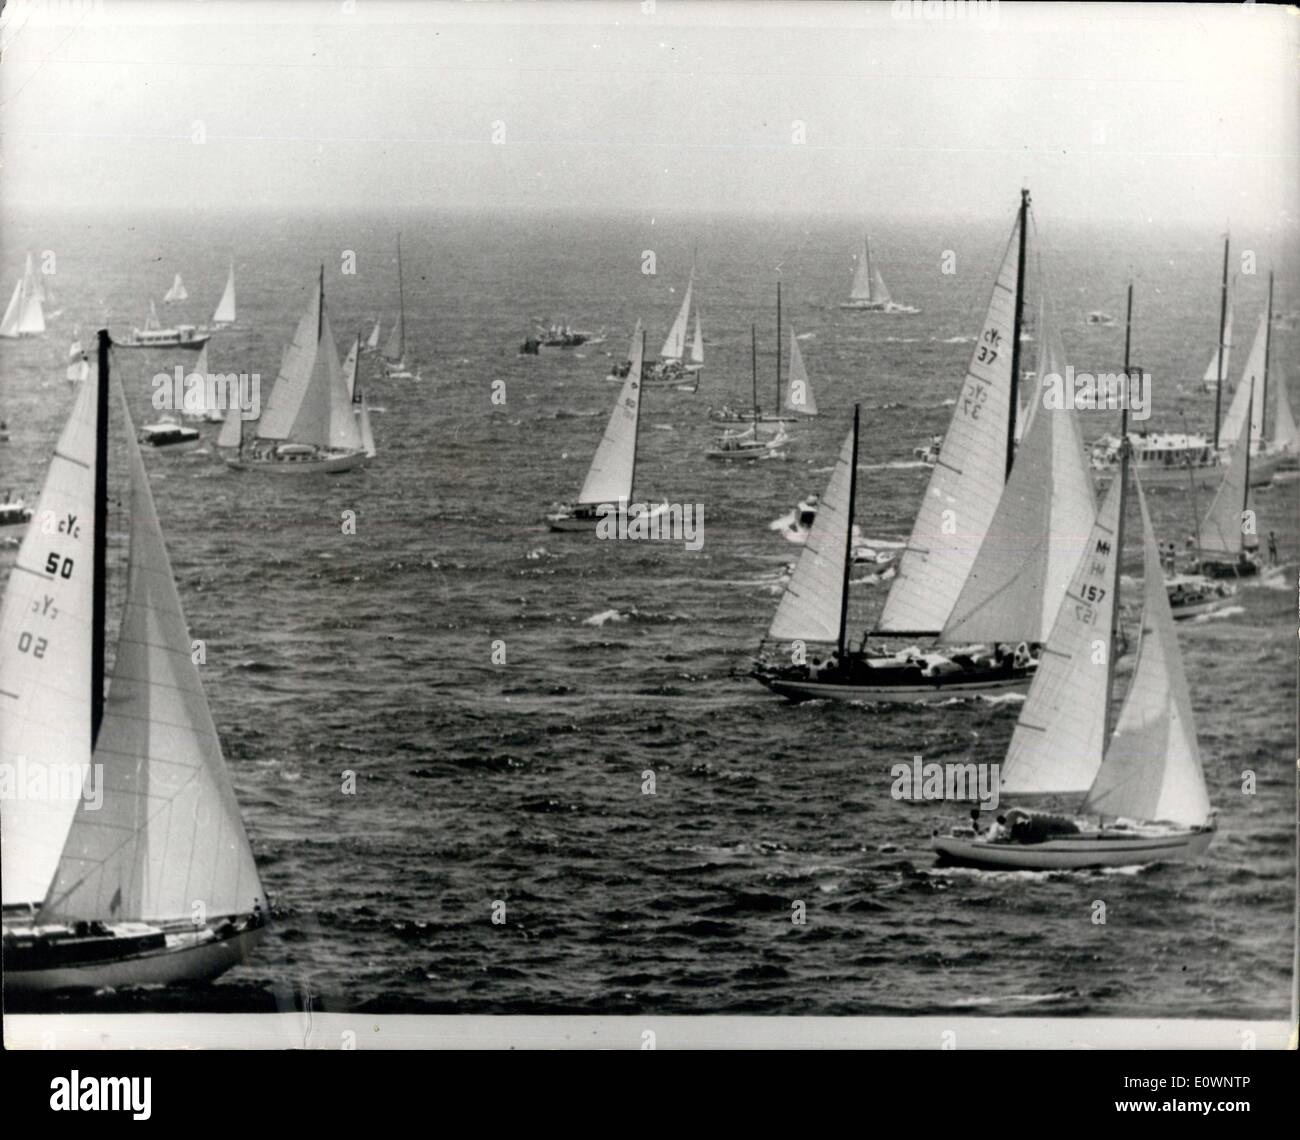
point(1009, 583)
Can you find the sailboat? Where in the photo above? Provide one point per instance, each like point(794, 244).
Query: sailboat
point(360, 409)
point(869, 292)
point(308, 424)
point(1285, 444)
point(749, 444)
point(372, 341)
point(992, 549)
point(793, 399)
point(176, 293)
point(395, 365)
point(1139, 784)
point(224, 316)
point(612, 473)
point(153, 335)
point(196, 407)
point(681, 360)
point(151, 880)
point(1226, 548)
point(25, 314)
point(78, 362)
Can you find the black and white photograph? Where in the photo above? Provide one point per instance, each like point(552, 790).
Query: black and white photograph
point(648, 524)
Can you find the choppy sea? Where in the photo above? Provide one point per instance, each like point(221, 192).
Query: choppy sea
point(523, 782)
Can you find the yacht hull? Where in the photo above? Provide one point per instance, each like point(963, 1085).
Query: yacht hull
point(929, 691)
point(1073, 852)
point(186, 961)
point(330, 465)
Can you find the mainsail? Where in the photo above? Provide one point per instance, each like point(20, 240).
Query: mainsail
point(350, 368)
point(46, 624)
point(225, 314)
point(1285, 437)
point(967, 480)
point(798, 393)
point(1152, 767)
point(177, 292)
point(395, 349)
point(232, 428)
point(1033, 545)
point(1222, 529)
point(1212, 373)
point(1060, 736)
point(811, 608)
point(24, 315)
point(675, 345)
point(612, 469)
point(372, 341)
point(1243, 403)
point(168, 834)
point(697, 342)
point(862, 276)
point(309, 402)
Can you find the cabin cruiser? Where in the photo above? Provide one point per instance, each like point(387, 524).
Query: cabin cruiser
point(168, 436)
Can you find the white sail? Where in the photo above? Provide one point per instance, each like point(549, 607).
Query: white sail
point(196, 396)
point(675, 345)
point(1222, 527)
point(177, 292)
point(78, 371)
point(1060, 736)
point(1212, 373)
point(1242, 405)
point(363, 426)
point(309, 402)
point(967, 480)
point(1050, 362)
point(798, 393)
point(862, 279)
point(372, 341)
point(168, 834)
point(1152, 768)
point(151, 321)
point(33, 318)
point(395, 349)
point(612, 469)
point(1285, 437)
point(1033, 545)
point(878, 291)
point(232, 428)
point(45, 665)
point(697, 343)
point(350, 367)
point(809, 609)
point(225, 314)
point(9, 323)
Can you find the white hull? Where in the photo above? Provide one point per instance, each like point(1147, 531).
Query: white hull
point(1262, 470)
point(332, 465)
point(186, 962)
point(888, 307)
point(1113, 849)
point(925, 693)
point(1197, 609)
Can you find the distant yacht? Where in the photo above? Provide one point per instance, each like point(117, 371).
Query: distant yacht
point(100, 894)
point(360, 408)
point(559, 336)
point(612, 474)
point(395, 364)
point(224, 316)
point(869, 292)
point(195, 406)
point(25, 314)
point(680, 360)
point(176, 293)
point(307, 425)
point(153, 335)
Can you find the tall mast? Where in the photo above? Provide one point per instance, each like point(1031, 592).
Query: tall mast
point(636, 435)
point(1015, 335)
point(777, 406)
point(320, 309)
point(848, 543)
point(98, 608)
point(1245, 490)
point(1196, 506)
point(1223, 320)
point(1268, 344)
point(753, 372)
point(1113, 647)
point(401, 304)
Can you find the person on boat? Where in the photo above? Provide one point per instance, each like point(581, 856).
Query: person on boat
point(975, 821)
point(1272, 548)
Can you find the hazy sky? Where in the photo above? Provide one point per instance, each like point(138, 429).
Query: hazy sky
point(1126, 112)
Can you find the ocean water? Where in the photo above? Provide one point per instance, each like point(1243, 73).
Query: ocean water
point(522, 782)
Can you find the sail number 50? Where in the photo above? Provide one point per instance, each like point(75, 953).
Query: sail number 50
point(53, 565)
